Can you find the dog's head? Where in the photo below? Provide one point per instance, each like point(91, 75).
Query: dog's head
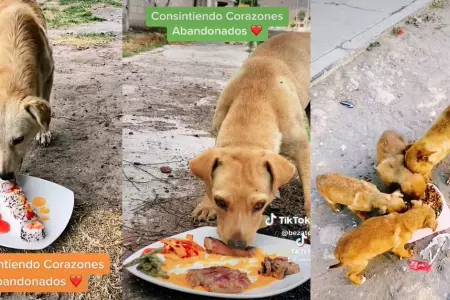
point(241, 183)
point(414, 185)
point(396, 202)
point(20, 122)
point(429, 215)
point(418, 157)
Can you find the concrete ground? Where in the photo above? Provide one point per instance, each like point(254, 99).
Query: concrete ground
point(342, 27)
point(403, 84)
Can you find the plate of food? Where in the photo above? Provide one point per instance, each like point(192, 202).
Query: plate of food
point(33, 212)
point(434, 198)
point(197, 262)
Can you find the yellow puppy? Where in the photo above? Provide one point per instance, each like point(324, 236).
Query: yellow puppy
point(360, 196)
point(391, 165)
point(259, 123)
point(432, 148)
point(26, 79)
point(379, 235)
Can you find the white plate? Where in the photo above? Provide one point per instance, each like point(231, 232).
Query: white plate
point(60, 201)
point(268, 244)
point(443, 220)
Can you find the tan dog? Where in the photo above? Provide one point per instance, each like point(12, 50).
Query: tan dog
point(360, 196)
point(259, 118)
point(432, 148)
point(379, 235)
point(26, 77)
point(391, 165)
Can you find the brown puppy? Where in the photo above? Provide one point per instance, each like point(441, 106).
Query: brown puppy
point(26, 78)
point(391, 165)
point(379, 235)
point(259, 118)
point(360, 196)
point(432, 148)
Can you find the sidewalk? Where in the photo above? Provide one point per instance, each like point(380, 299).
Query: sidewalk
point(341, 28)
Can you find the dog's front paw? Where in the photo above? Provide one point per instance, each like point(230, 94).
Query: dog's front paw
point(203, 213)
point(44, 138)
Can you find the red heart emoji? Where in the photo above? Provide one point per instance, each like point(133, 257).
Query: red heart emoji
point(256, 29)
point(76, 280)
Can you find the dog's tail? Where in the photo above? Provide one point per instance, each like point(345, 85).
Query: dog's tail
point(335, 266)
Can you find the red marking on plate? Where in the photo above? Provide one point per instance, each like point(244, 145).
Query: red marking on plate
point(4, 226)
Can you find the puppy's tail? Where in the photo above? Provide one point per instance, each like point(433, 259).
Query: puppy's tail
point(335, 266)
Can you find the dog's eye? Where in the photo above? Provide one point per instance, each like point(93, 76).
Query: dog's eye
point(18, 140)
point(258, 206)
point(220, 203)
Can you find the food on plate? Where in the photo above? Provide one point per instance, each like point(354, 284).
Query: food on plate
point(4, 226)
point(433, 199)
point(216, 246)
point(150, 264)
point(14, 199)
point(32, 231)
point(219, 279)
point(278, 267)
point(183, 248)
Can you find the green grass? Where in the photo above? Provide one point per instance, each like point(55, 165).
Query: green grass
point(90, 2)
point(86, 40)
point(438, 4)
point(135, 43)
point(73, 12)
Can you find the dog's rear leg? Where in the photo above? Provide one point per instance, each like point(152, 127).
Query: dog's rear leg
point(204, 210)
point(44, 137)
point(354, 272)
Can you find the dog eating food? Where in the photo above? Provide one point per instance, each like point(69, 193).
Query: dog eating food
point(360, 196)
point(219, 279)
point(278, 267)
point(216, 246)
point(379, 235)
point(391, 165)
point(13, 199)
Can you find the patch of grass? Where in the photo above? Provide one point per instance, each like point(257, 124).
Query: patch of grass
point(91, 2)
point(67, 13)
point(135, 43)
point(86, 40)
point(438, 3)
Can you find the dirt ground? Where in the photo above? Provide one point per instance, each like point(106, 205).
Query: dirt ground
point(169, 101)
point(85, 156)
point(403, 84)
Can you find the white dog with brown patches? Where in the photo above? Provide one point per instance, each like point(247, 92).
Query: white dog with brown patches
point(259, 123)
point(26, 79)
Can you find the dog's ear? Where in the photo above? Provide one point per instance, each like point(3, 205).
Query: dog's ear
point(280, 169)
point(203, 165)
point(40, 110)
point(430, 222)
point(424, 154)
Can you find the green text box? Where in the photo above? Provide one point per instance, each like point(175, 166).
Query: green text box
point(217, 24)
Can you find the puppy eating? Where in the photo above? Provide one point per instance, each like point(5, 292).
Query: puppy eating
point(26, 78)
point(391, 165)
point(432, 148)
point(379, 235)
point(259, 122)
point(359, 196)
